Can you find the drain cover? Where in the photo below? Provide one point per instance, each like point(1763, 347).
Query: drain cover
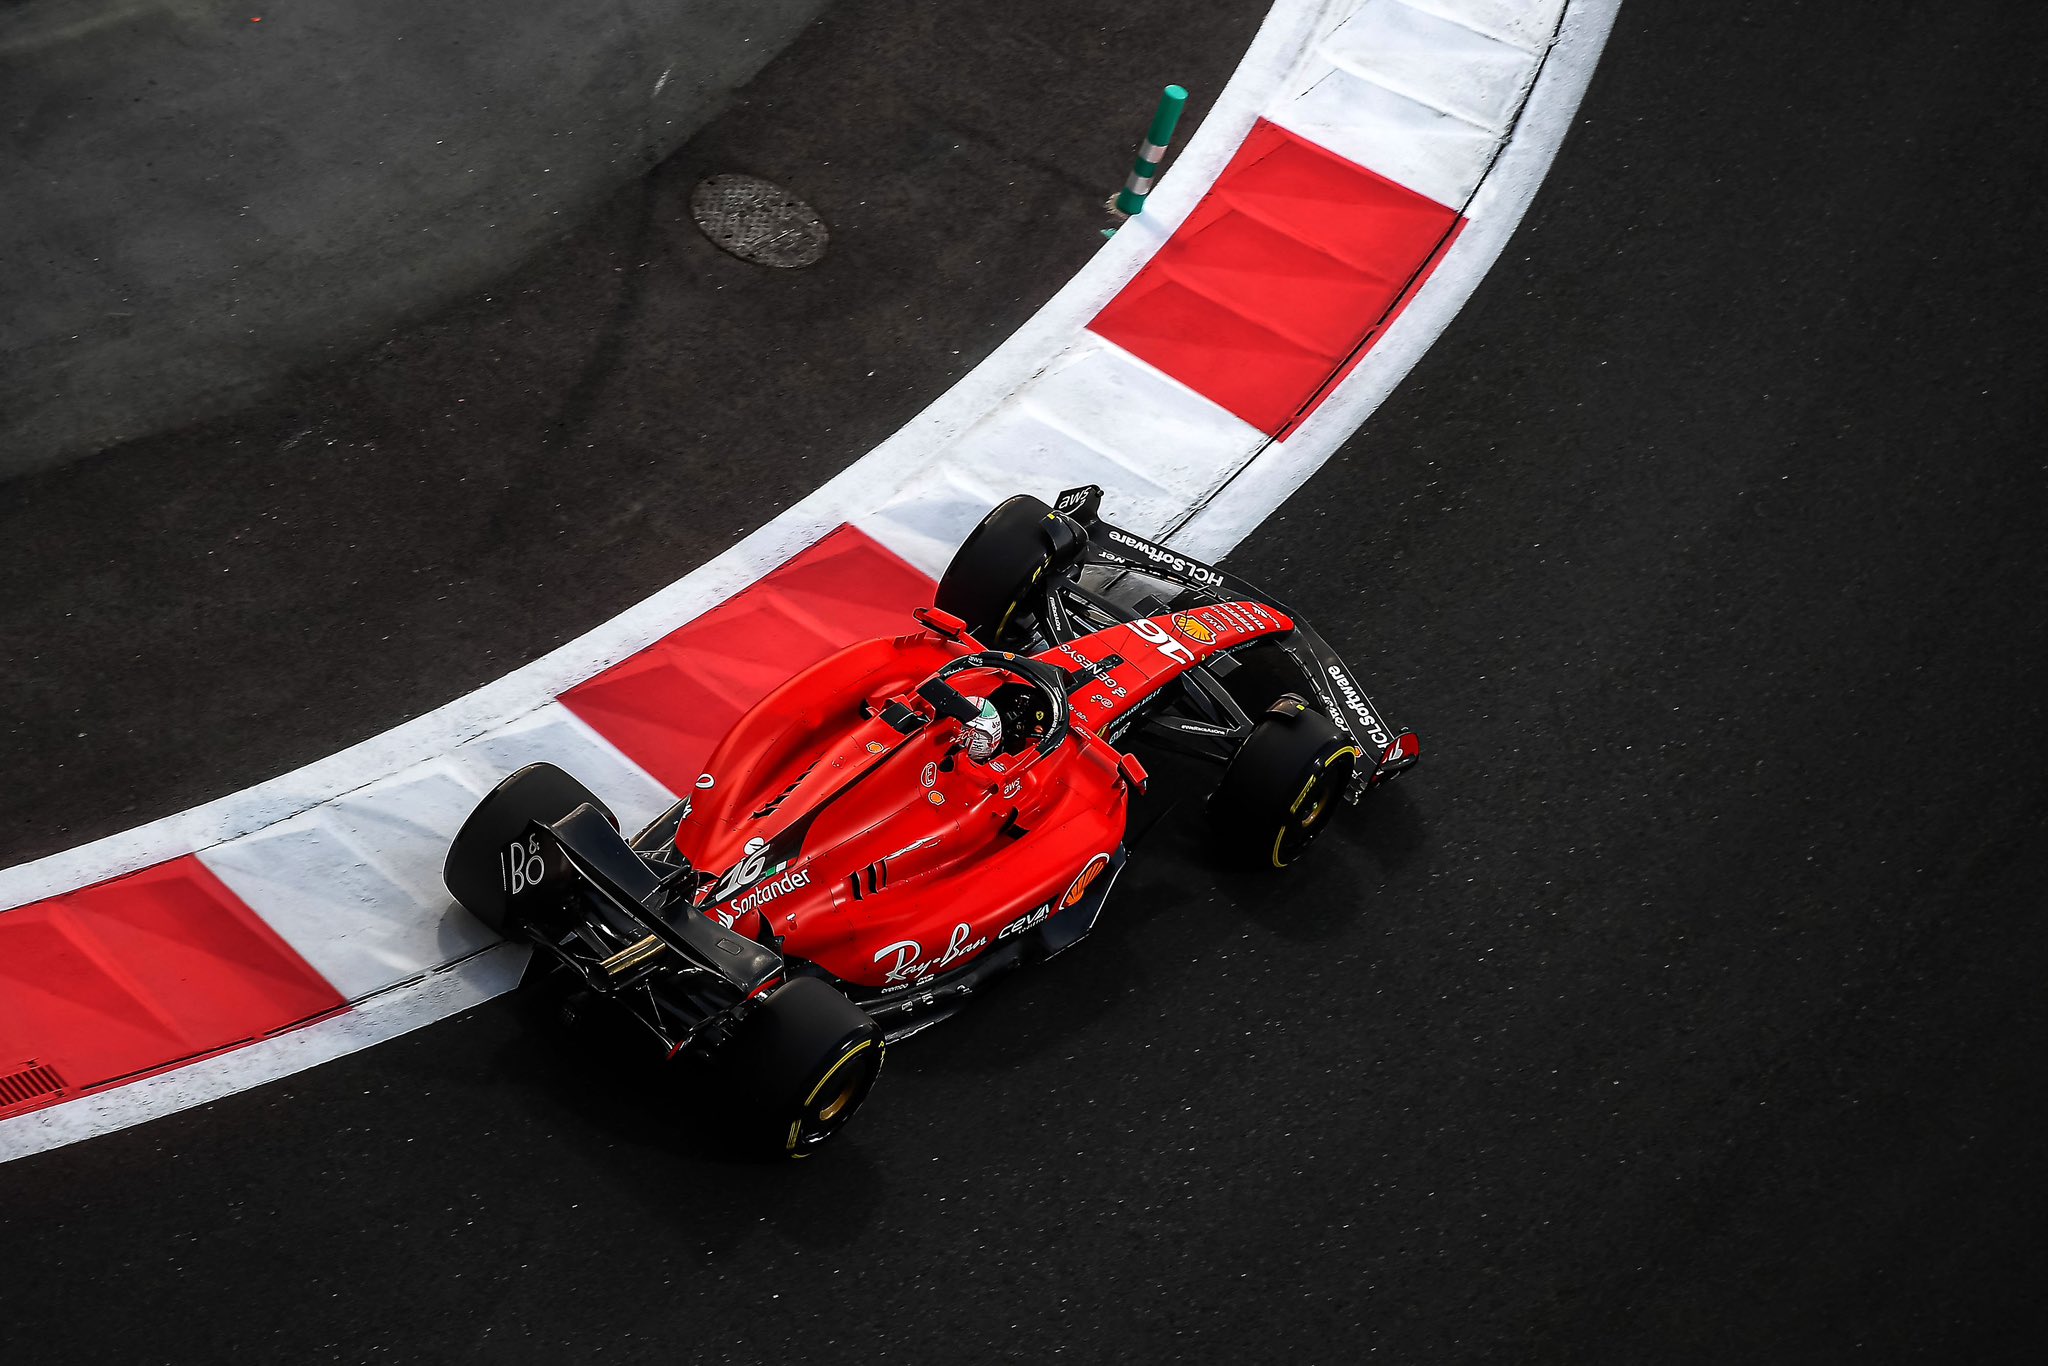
point(759, 221)
point(33, 1081)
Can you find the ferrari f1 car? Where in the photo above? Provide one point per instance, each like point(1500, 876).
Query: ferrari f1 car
point(905, 819)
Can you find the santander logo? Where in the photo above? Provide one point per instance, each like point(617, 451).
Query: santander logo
point(770, 890)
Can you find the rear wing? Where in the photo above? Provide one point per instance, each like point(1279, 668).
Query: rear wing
point(635, 904)
point(1385, 749)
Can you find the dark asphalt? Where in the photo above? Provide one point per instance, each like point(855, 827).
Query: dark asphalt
point(1684, 1007)
point(200, 200)
point(390, 533)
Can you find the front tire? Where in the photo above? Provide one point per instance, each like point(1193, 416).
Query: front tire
point(1284, 785)
point(802, 1062)
point(995, 572)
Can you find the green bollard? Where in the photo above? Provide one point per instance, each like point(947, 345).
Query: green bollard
point(1152, 151)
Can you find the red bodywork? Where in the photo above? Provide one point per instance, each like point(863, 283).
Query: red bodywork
point(890, 859)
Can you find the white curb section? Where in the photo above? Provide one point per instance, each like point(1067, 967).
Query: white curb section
point(354, 884)
point(1422, 91)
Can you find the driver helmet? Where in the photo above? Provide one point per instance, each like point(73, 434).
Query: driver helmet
point(984, 732)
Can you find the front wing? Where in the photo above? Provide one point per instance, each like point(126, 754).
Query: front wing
point(1331, 681)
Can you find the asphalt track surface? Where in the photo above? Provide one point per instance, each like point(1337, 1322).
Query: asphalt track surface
point(391, 533)
point(1685, 1006)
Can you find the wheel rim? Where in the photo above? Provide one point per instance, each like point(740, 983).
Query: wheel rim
point(1313, 807)
point(836, 1096)
point(832, 1108)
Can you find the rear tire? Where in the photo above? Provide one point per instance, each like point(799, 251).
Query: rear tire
point(996, 569)
point(802, 1062)
point(1284, 786)
point(475, 869)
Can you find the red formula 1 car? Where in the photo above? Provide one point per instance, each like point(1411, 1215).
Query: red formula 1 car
point(906, 818)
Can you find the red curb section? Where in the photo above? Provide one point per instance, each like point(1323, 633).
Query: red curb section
point(1287, 271)
point(135, 975)
point(668, 705)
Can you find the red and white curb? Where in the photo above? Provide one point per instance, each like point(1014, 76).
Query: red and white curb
point(1356, 178)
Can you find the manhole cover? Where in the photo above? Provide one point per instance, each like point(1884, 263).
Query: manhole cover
point(759, 221)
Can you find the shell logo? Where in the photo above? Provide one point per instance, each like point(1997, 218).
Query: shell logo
point(1193, 629)
point(1085, 880)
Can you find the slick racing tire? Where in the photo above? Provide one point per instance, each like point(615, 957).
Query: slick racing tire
point(802, 1062)
point(477, 871)
point(989, 585)
point(1284, 785)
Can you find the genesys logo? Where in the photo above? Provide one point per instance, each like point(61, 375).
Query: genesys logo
point(1098, 671)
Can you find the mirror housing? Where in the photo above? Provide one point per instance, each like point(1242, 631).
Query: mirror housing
point(940, 623)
